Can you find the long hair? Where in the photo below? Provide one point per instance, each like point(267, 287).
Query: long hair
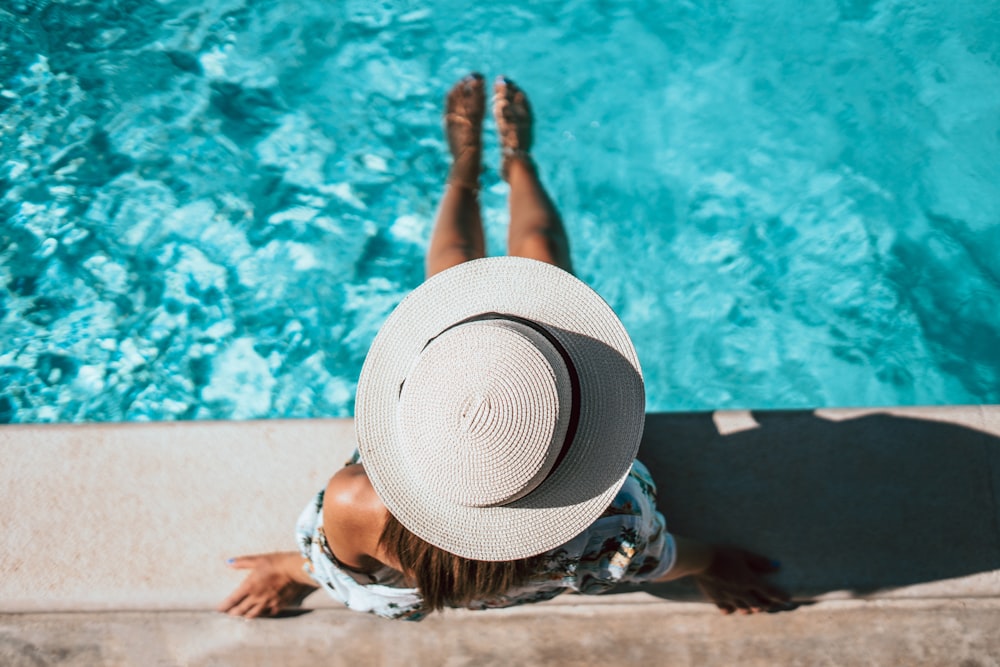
point(445, 579)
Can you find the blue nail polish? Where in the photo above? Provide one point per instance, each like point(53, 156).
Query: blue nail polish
point(230, 561)
point(776, 563)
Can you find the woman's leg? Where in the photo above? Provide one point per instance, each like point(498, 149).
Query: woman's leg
point(458, 228)
point(536, 229)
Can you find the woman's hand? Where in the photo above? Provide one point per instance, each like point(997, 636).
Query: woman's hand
point(734, 581)
point(276, 581)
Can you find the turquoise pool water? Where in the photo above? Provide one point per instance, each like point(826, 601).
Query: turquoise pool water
point(209, 206)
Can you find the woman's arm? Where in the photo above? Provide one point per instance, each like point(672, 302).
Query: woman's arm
point(731, 578)
point(352, 520)
point(276, 581)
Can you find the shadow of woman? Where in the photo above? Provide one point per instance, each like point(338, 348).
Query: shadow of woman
point(863, 505)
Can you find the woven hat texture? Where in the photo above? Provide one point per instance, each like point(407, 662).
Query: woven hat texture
point(500, 408)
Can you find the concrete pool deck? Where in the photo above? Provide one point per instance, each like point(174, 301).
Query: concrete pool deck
point(886, 518)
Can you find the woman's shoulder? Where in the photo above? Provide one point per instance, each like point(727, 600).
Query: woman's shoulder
point(353, 516)
point(350, 486)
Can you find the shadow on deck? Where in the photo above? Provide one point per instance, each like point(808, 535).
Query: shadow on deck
point(863, 505)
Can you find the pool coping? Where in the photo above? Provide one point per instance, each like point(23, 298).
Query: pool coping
point(142, 516)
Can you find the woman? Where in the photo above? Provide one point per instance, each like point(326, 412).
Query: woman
point(499, 411)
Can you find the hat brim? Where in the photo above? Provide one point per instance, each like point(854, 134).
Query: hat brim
point(611, 418)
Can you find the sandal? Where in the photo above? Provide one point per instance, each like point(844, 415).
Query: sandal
point(514, 123)
point(463, 127)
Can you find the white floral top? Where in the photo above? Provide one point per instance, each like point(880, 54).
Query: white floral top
point(627, 544)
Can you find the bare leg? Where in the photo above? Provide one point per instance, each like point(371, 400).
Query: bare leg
point(536, 229)
point(458, 228)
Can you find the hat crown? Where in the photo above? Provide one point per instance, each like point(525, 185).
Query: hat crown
point(605, 403)
point(484, 411)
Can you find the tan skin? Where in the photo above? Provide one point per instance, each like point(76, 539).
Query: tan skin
point(354, 516)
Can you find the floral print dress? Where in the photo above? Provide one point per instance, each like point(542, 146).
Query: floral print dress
point(628, 543)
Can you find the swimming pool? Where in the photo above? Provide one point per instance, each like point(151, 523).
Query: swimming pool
point(209, 206)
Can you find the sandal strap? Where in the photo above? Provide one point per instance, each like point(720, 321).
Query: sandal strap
point(463, 185)
point(457, 117)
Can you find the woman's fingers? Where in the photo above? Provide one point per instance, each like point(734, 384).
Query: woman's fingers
point(234, 599)
point(246, 598)
point(763, 601)
point(259, 609)
point(738, 606)
point(771, 595)
point(269, 586)
point(744, 605)
point(746, 600)
point(252, 607)
point(244, 562)
point(245, 607)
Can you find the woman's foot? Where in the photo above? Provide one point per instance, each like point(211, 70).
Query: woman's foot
point(514, 123)
point(463, 125)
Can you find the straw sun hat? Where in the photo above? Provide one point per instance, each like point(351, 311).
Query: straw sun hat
point(500, 408)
